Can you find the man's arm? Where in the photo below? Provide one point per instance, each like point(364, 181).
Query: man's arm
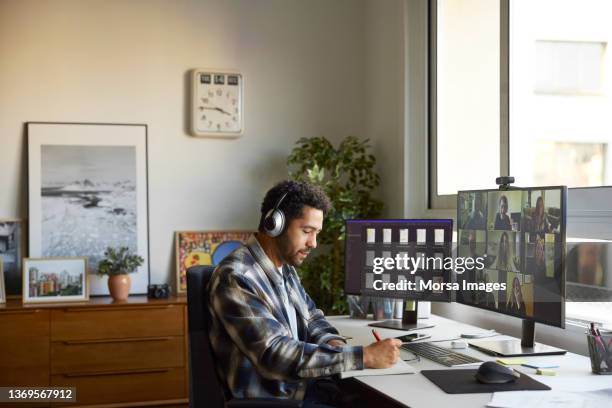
point(266, 342)
point(319, 329)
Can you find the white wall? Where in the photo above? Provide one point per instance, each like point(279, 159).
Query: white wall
point(127, 62)
point(384, 97)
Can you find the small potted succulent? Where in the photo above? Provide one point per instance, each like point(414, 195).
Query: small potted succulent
point(117, 264)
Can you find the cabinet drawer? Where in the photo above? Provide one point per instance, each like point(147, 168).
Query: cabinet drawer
point(125, 322)
point(117, 354)
point(129, 386)
point(24, 348)
point(24, 323)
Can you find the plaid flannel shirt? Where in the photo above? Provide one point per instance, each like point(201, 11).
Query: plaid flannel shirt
point(251, 337)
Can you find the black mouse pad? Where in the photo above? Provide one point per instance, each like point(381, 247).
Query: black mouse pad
point(464, 382)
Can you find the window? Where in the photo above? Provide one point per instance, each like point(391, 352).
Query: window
point(559, 129)
point(519, 87)
point(467, 82)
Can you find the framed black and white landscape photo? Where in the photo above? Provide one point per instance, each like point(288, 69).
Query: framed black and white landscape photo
point(88, 191)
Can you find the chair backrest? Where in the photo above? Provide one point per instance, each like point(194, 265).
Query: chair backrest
point(205, 389)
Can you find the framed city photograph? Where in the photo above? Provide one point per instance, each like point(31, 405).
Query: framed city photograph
point(2, 292)
point(48, 280)
point(12, 250)
point(203, 248)
point(88, 191)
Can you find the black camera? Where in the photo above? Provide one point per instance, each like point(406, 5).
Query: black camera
point(158, 291)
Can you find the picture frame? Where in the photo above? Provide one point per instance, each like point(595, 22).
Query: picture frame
point(203, 248)
point(88, 190)
point(55, 280)
point(12, 251)
point(2, 290)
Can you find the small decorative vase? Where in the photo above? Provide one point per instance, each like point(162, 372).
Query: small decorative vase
point(119, 286)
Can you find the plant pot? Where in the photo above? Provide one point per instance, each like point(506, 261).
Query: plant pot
point(119, 286)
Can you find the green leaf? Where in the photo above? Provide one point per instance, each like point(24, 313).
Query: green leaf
point(347, 175)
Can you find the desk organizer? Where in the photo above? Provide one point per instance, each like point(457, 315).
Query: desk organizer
point(600, 351)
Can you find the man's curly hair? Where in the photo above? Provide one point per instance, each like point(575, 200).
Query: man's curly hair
point(299, 195)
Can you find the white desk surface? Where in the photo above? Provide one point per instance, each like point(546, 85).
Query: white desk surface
point(414, 390)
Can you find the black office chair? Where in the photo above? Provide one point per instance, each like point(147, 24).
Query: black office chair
point(205, 388)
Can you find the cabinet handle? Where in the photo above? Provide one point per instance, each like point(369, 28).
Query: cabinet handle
point(118, 372)
point(96, 341)
point(112, 309)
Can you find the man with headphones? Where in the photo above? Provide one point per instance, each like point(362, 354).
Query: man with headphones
point(268, 337)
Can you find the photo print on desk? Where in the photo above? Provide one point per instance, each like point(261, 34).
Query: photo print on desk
point(88, 191)
point(12, 250)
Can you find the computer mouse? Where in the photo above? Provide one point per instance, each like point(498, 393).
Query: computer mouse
point(491, 372)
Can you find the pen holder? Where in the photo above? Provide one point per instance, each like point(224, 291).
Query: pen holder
point(600, 351)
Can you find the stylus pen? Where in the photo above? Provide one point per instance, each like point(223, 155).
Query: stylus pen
point(376, 336)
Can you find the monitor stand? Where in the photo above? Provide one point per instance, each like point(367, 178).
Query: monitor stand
point(515, 347)
point(407, 323)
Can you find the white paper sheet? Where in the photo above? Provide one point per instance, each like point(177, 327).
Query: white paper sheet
point(552, 399)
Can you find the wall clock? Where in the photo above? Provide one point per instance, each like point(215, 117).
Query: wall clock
point(217, 103)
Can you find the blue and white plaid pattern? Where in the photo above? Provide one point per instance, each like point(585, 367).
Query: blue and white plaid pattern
point(250, 333)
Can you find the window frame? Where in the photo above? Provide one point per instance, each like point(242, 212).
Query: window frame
point(449, 201)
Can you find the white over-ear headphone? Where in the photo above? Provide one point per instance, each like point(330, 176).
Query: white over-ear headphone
point(274, 221)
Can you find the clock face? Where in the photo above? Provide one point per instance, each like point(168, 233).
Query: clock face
point(217, 103)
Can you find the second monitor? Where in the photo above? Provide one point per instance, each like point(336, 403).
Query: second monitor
point(399, 258)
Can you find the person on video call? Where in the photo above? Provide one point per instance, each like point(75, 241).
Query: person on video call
point(540, 256)
point(489, 297)
point(504, 255)
point(539, 221)
point(502, 220)
point(476, 218)
point(268, 337)
point(515, 303)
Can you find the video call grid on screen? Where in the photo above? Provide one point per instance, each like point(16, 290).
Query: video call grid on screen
point(521, 234)
point(368, 239)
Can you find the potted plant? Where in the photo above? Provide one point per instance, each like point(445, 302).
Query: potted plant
point(347, 176)
point(117, 264)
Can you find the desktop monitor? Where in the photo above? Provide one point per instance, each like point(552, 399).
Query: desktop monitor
point(520, 233)
point(383, 258)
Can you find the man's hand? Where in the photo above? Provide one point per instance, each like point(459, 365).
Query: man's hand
point(336, 343)
point(382, 354)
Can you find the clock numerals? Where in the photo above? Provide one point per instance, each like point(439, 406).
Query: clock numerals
point(217, 104)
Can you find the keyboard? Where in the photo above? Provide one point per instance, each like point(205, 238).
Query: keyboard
point(439, 354)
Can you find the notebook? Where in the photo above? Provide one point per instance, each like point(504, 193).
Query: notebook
point(401, 367)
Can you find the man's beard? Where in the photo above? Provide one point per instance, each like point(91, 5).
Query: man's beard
point(290, 257)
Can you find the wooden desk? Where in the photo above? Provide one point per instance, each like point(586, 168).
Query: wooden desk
point(115, 354)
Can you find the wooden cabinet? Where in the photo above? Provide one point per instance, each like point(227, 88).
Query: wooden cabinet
point(24, 347)
point(115, 354)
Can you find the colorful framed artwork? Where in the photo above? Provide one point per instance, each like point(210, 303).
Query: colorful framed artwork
point(47, 280)
point(203, 248)
point(12, 247)
point(88, 191)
